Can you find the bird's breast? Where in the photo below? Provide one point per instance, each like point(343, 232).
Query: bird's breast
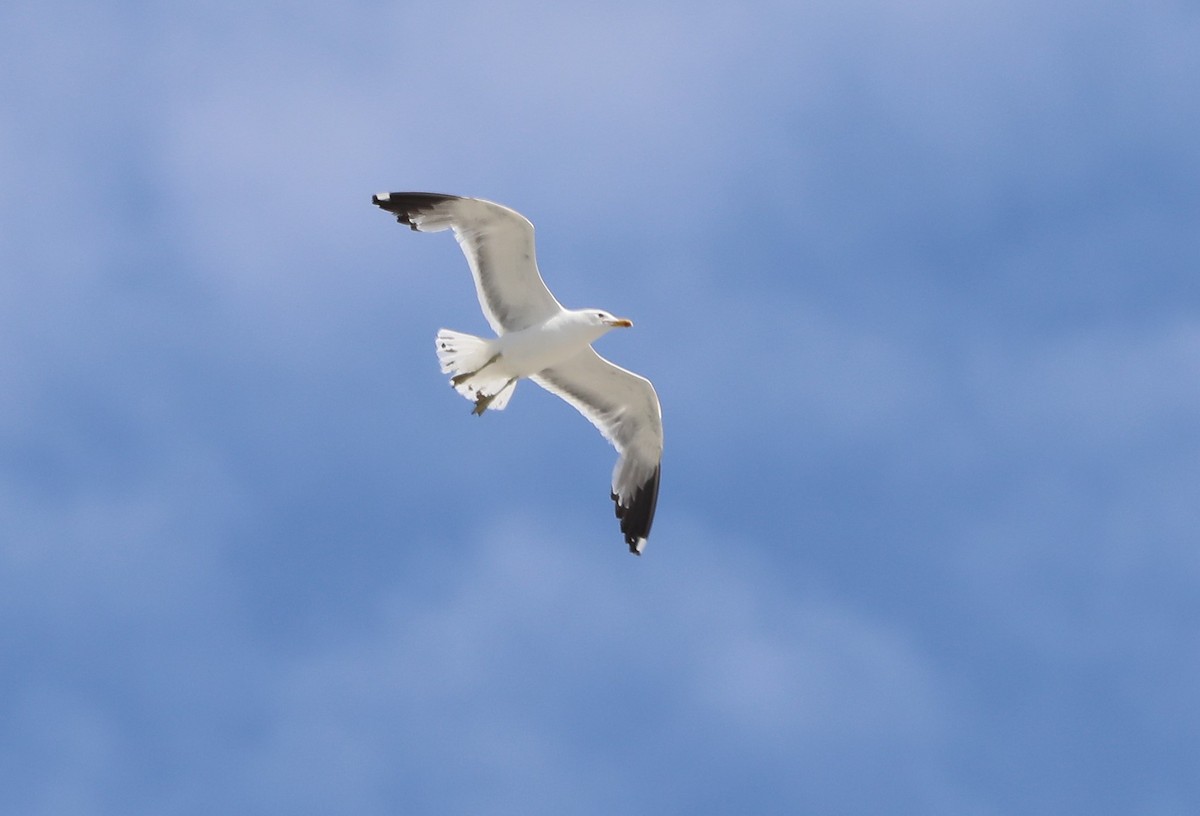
point(531, 350)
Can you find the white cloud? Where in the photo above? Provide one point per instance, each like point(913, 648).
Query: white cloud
point(72, 749)
point(526, 669)
point(1103, 387)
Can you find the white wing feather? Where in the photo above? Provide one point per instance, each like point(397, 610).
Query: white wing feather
point(625, 409)
point(498, 244)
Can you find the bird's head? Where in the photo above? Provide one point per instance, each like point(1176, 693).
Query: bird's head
point(599, 317)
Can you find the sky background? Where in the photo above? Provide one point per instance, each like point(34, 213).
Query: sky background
point(916, 283)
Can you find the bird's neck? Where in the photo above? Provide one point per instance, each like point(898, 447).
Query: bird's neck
point(578, 323)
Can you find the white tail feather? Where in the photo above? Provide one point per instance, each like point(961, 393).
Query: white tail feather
point(460, 353)
point(501, 400)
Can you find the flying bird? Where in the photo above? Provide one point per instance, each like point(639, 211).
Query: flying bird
point(538, 339)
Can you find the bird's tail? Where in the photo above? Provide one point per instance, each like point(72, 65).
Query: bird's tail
point(461, 355)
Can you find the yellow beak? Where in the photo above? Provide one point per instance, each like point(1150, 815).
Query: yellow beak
point(620, 323)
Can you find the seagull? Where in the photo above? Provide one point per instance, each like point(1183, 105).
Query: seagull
point(538, 339)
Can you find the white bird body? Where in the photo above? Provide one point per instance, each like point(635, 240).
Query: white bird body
point(540, 340)
point(525, 352)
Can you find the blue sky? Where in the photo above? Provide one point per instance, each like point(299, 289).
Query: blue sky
point(916, 284)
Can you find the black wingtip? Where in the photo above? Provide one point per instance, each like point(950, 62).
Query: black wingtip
point(638, 517)
point(405, 205)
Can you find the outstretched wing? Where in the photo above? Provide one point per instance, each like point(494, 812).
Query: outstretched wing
point(498, 243)
point(624, 407)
